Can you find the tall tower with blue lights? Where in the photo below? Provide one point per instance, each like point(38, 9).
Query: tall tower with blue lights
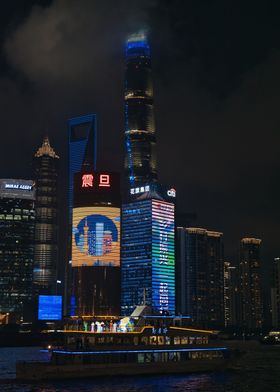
point(147, 236)
point(140, 162)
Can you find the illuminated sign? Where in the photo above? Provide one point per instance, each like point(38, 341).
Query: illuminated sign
point(171, 192)
point(96, 236)
point(50, 307)
point(24, 187)
point(141, 189)
point(104, 180)
point(92, 188)
point(163, 254)
point(87, 180)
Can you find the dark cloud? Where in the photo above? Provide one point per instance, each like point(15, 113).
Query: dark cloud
point(216, 75)
point(70, 41)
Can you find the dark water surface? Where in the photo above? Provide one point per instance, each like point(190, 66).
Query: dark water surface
point(258, 370)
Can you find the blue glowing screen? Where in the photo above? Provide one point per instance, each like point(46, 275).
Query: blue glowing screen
point(50, 307)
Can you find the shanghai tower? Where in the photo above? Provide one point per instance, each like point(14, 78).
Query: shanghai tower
point(140, 162)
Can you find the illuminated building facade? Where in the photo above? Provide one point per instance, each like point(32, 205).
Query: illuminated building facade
point(148, 259)
point(17, 225)
point(251, 297)
point(96, 244)
point(230, 294)
point(46, 227)
point(140, 161)
point(275, 294)
point(199, 272)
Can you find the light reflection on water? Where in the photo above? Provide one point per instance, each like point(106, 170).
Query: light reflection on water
point(200, 382)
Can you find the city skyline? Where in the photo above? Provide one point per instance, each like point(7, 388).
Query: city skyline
point(139, 212)
point(229, 179)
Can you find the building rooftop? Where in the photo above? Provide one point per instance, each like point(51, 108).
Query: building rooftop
point(255, 241)
point(46, 149)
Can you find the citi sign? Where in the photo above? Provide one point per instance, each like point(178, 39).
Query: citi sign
point(171, 192)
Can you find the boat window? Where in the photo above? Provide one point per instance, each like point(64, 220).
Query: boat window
point(144, 340)
point(184, 340)
point(153, 340)
point(177, 340)
point(109, 339)
point(191, 340)
point(205, 339)
point(161, 340)
point(141, 358)
point(167, 339)
point(126, 341)
point(100, 340)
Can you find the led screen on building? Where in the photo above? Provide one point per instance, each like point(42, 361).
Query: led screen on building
point(50, 307)
point(163, 254)
point(96, 236)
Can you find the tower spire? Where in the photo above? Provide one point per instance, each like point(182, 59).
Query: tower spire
point(46, 149)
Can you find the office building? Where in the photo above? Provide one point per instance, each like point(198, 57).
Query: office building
point(82, 141)
point(230, 294)
point(95, 282)
point(200, 279)
point(82, 138)
point(17, 225)
point(147, 251)
point(140, 160)
point(148, 259)
point(46, 228)
point(251, 296)
point(275, 294)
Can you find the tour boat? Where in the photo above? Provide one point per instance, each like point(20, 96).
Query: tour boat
point(155, 345)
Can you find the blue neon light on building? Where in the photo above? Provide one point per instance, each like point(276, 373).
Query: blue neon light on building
point(148, 269)
point(81, 131)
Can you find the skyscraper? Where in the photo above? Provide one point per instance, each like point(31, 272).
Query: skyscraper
point(17, 224)
point(148, 256)
point(275, 294)
point(148, 269)
point(230, 294)
point(46, 227)
point(251, 300)
point(199, 271)
point(82, 151)
point(140, 161)
point(96, 244)
point(82, 142)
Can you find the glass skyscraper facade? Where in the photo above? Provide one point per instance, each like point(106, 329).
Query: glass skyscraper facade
point(148, 259)
point(82, 136)
point(140, 161)
point(275, 294)
point(251, 295)
point(200, 277)
point(82, 142)
point(46, 229)
point(17, 224)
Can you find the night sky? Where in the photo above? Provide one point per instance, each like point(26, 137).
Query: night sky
point(216, 80)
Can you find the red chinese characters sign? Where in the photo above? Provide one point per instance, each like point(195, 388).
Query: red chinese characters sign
point(87, 181)
point(104, 180)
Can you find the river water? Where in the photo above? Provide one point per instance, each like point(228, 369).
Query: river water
point(257, 371)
